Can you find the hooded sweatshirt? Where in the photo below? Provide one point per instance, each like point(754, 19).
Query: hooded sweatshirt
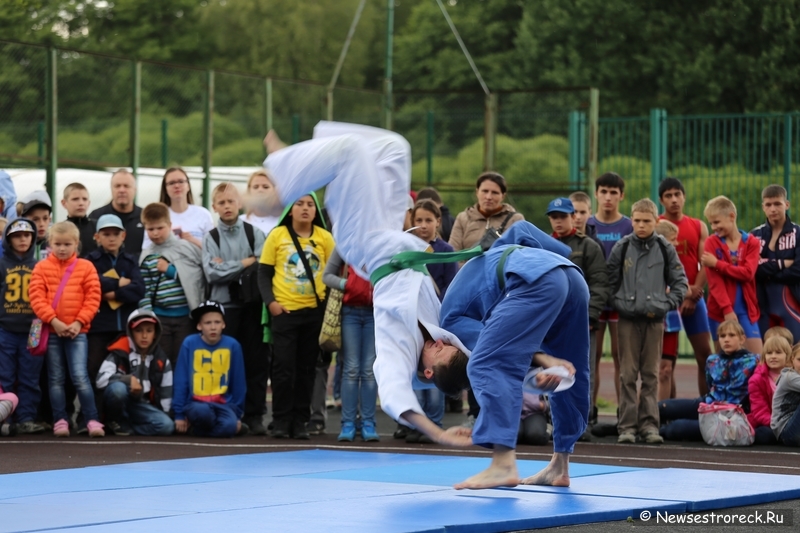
point(125, 360)
point(187, 260)
point(233, 247)
point(727, 376)
point(16, 313)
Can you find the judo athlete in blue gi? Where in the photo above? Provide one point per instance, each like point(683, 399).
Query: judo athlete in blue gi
point(543, 309)
point(367, 176)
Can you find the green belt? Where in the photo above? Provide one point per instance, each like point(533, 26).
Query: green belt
point(418, 260)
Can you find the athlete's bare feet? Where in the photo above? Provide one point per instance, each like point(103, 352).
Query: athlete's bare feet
point(273, 143)
point(555, 474)
point(501, 473)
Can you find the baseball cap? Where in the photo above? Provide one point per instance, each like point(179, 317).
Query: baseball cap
point(109, 221)
point(208, 306)
point(36, 199)
point(143, 320)
point(21, 225)
point(560, 205)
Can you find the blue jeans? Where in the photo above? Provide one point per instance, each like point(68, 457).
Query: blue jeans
point(790, 435)
point(69, 354)
point(19, 373)
point(145, 419)
point(432, 402)
point(210, 419)
point(358, 351)
point(684, 423)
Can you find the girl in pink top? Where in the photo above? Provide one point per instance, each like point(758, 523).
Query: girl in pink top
point(761, 387)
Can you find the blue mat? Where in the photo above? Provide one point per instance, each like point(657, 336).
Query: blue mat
point(348, 491)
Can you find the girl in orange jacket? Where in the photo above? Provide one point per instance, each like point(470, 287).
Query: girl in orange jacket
point(68, 322)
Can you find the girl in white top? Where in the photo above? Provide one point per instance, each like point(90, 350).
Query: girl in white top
point(258, 184)
point(189, 222)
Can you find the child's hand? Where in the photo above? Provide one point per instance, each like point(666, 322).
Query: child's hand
point(276, 309)
point(217, 260)
point(59, 327)
point(181, 426)
point(708, 260)
point(247, 261)
point(110, 295)
point(136, 386)
point(124, 281)
point(74, 329)
point(162, 265)
point(731, 316)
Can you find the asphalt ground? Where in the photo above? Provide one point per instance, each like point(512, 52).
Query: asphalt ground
point(31, 453)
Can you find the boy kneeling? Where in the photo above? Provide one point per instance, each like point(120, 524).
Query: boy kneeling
point(136, 380)
point(209, 378)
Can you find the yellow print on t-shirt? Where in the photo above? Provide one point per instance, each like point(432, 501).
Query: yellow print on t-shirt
point(211, 371)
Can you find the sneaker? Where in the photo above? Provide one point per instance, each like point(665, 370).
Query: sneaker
point(424, 439)
point(30, 428)
point(652, 437)
point(413, 436)
point(280, 429)
point(243, 430)
point(61, 428)
point(121, 429)
point(315, 427)
point(300, 431)
point(8, 430)
point(348, 433)
point(95, 429)
point(627, 437)
point(256, 425)
point(368, 432)
point(401, 432)
point(469, 422)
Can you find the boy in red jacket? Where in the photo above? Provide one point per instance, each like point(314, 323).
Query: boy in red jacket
point(731, 256)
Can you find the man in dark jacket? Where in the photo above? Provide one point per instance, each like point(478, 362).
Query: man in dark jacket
point(123, 193)
point(588, 255)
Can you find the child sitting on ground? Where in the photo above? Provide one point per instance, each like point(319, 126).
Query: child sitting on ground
point(786, 403)
point(727, 374)
point(210, 385)
point(136, 380)
point(776, 356)
point(8, 402)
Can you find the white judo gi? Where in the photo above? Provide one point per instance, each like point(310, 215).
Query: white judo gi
point(367, 172)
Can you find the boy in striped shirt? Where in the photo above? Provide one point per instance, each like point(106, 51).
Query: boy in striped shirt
point(173, 277)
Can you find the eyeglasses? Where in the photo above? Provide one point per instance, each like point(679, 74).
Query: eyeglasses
point(177, 182)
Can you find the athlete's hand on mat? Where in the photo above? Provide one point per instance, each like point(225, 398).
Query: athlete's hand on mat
point(276, 309)
point(455, 436)
point(181, 426)
point(708, 260)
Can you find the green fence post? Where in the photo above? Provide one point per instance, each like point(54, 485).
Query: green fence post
point(490, 132)
point(787, 154)
point(136, 115)
point(51, 118)
point(658, 150)
point(164, 144)
point(430, 148)
point(208, 135)
point(593, 134)
point(41, 140)
point(577, 150)
point(295, 128)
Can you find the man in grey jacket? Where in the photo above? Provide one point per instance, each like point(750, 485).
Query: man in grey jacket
point(647, 281)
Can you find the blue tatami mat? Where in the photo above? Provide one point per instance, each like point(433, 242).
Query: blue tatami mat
point(355, 491)
point(702, 490)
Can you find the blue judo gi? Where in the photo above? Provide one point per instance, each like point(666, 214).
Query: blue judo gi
point(544, 307)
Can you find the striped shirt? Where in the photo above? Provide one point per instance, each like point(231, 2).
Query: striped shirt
point(163, 292)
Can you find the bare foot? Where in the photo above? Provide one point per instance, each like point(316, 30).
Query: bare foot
point(272, 142)
point(490, 478)
point(555, 474)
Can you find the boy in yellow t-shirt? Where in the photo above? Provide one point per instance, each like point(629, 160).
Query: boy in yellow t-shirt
point(295, 302)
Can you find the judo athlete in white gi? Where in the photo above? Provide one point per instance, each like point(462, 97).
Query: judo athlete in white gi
point(542, 309)
point(367, 174)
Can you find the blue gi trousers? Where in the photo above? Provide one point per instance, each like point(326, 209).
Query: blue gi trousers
point(550, 316)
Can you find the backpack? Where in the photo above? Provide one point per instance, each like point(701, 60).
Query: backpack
point(244, 289)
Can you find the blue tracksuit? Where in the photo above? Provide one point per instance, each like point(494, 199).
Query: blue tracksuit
point(543, 308)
